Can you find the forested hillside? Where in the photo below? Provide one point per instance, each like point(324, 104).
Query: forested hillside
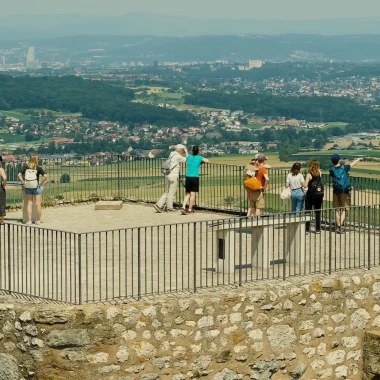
point(94, 99)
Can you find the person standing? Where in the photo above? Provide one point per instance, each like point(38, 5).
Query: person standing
point(296, 181)
point(175, 160)
point(256, 197)
point(341, 189)
point(30, 177)
point(3, 194)
point(314, 194)
point(194, 162)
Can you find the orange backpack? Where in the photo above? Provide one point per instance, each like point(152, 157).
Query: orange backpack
point(252, 183)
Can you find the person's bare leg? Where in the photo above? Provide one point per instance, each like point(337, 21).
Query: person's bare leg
point(192, 201)
point(258, 212)
point(29, 198)
point(38, 207)
point(185, 202)
point(342, 217)
point(338, 216)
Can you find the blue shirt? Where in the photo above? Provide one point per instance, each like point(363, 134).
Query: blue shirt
point(193, 165)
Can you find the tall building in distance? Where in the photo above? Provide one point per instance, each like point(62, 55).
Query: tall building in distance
point(31, 62)
point(254, 64)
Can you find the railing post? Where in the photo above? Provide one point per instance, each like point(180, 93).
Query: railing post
point(118, 178)
point(138, 264)
point(240, 251)
point(195, 256)
point(9, 259)
point(79, 268)
point(330, 239)
point(369, 237)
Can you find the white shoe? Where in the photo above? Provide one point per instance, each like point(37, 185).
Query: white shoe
point(38, 222)
point(29, 223)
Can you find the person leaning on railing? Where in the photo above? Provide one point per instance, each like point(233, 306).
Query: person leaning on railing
point(341, 189)
point(30, 178)
point(3, 194)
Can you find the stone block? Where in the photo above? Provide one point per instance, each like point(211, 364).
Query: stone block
point(109, 205)
point(371, 351)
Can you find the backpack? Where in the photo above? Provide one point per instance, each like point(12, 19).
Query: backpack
point(31, 179)
point(316, 188)
point(341, 182)
point(166, 166)
point(252, 183)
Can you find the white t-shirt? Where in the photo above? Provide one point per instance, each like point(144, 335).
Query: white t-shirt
point(175, 165)
point(295, 181)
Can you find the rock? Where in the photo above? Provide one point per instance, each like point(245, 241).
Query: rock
point(68, 338)
point(376, 322)
point(201, 363)
point(21, 347)
point(31, 330)
point(50, 317)
point(223, 357)
point(288, 305)
point(178, 377)
point(341, 372)
point(281, 337)
point(212, 334)
point(316, 364)
point(298, 371)
point(354, 355)
point(326, 373)
point(359, 319)
point(264, 369)
point(309, 351)
point(122, 354)
point(362, 294)
point(306, 325)
point(340, 329)
point(256, 334)
point(235, 317)
point(267, 307)
point(181, 364)
point(351, 304)
point(8, 368)
point(112, 313)
point(305, 339)
point(322, 349)
point(262, 319)
point(150, 312)
point(161, 363)
point(100, 357)
point(73, 356)
point(338, 318)
point(227, 374)
point(25, 316)
point(37, 356)
point(109, 369)
point(131, 316)
point(18, 326)
point(144, 349)
point(176, 333)
point(205, 322)
point(335, 357)
point(9, 346)
point(129, 335)
point(8, 327)
point(37, 342)
point(184, 304)
point(350, 342)
point(318, 333)
point(150, 376)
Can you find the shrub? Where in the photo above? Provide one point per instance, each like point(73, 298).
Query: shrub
point(65, 178)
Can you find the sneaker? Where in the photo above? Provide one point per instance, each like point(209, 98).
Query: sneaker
point(29, 223)
point(318, 232)
point(38, 222)
point(157, 208)
point(183, 212)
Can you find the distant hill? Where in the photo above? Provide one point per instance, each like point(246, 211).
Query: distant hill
point(37, 26)
point(233, 48)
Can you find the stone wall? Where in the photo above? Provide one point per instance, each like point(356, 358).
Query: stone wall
point(304, 328)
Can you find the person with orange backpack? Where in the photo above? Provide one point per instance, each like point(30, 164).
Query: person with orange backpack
point(256, 184)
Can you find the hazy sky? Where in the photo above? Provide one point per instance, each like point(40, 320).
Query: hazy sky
point(268, 9)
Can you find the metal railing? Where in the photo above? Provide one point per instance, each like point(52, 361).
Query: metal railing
point(119, 177)
point(136, 262)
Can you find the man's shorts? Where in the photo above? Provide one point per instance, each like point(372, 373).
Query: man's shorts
point(36, 191)
point(341, 200)
point(257, 199)
point(192, 184)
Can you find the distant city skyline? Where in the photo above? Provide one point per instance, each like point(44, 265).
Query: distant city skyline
point(245, 9)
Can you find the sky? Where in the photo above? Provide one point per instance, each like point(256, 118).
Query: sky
point(260, 9)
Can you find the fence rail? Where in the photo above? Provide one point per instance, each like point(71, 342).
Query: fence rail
point(119, 177)
point(135, 262)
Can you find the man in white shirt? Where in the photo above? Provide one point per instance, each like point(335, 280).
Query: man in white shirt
point(176, 158)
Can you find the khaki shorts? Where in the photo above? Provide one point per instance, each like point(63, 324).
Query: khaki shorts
point(342, 200)
point(257, 199)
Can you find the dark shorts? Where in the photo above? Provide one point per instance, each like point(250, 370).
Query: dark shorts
point(192, 184)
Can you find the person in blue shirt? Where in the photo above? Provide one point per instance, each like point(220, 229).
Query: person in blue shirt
point(194, 162)
point(341, 189)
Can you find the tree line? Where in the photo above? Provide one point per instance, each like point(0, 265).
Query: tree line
point(96, 100)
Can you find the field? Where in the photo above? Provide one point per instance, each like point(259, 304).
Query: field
point(243, 160)
point(157, 95)
point(18, 114)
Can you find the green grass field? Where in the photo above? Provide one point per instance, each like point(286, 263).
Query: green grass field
point(16, 115)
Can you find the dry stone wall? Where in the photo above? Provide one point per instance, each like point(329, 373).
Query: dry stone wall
point(301, 329)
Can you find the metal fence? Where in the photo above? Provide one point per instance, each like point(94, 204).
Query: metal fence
point(136, 262)
point(120, 177)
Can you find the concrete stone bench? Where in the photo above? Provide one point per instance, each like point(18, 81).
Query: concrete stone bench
point(109, 205)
